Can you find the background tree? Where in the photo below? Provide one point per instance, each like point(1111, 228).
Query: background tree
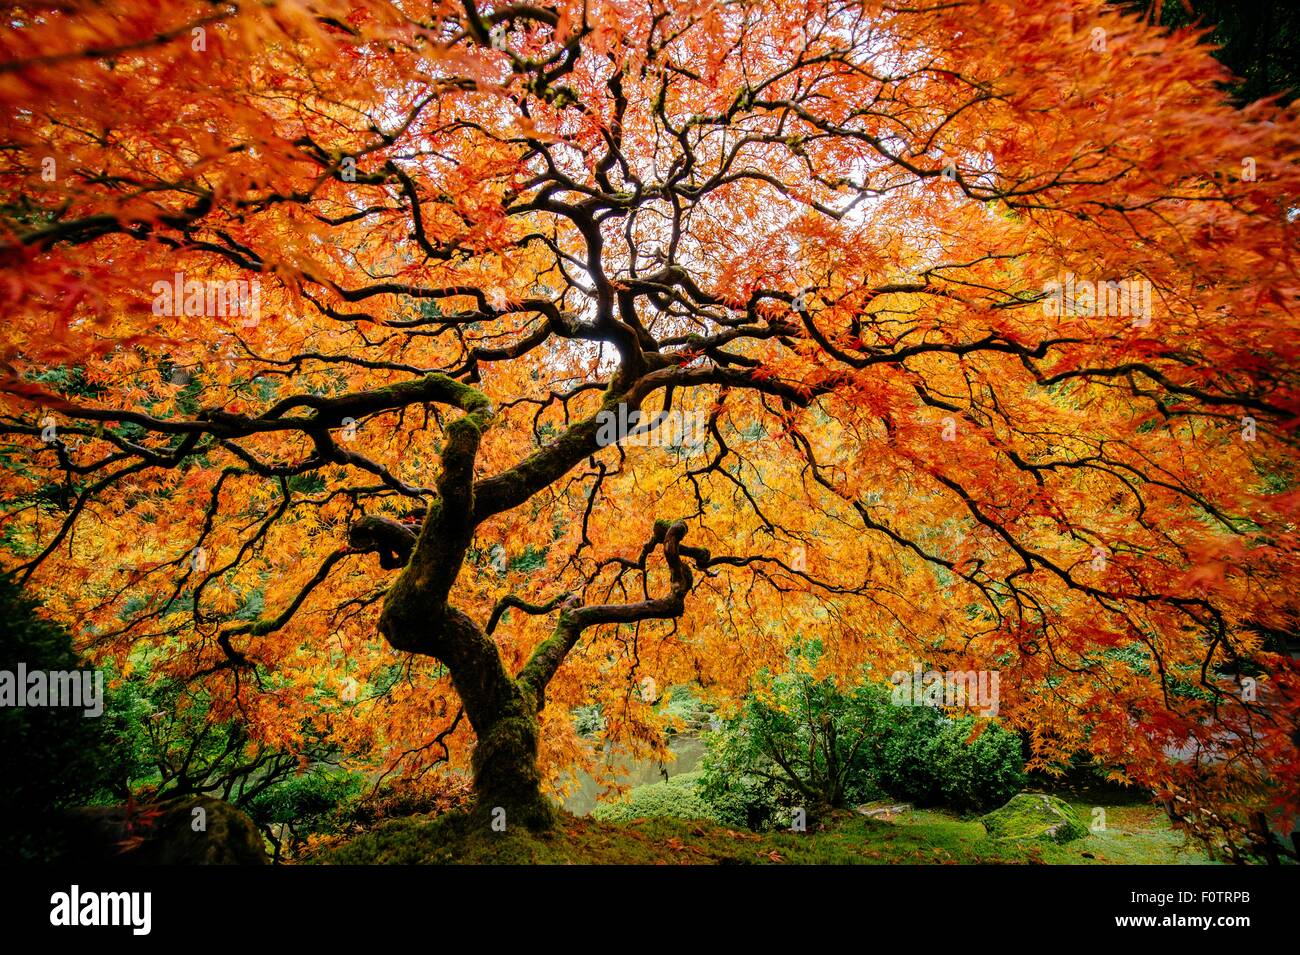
point(1259, 42)
point(55, 758)
point(844, 234)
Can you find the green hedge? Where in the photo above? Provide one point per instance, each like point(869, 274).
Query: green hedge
point(677, 798)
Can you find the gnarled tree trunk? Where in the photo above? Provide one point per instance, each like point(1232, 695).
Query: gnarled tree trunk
point(417, 617)
point(506, 775)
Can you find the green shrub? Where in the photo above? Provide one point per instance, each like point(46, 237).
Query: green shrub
point(809, 743)
point(905, 748)
point(798, 742)
point(677, 798)
point(588, 720)
point(306, 800)
point(979, 775)
point(926, 760)
point(745, 802)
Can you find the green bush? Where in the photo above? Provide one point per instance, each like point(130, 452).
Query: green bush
point(978, 775)
point(745, 802)
point(925, 759)
point(305, 801)
point(588, 720)
point(815, 744)
point(905, 750)
point(677, 798)
point(798, 742)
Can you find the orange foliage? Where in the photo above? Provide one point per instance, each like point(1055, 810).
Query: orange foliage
point(852, 238)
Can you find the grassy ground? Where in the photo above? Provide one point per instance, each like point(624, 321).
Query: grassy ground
point(1135, 834)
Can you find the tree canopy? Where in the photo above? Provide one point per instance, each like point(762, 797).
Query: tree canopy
point(969, 327)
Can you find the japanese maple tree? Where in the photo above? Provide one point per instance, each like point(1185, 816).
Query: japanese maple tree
point(982, 314)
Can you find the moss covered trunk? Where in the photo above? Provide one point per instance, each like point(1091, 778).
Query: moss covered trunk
point(501, 709)
point(418, 618)
point(506, 776)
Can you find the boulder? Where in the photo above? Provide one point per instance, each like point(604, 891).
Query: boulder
point(192, 830)
point(883, 809)
point(1034, 816)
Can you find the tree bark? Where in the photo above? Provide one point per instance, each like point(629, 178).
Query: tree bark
point(506, 775)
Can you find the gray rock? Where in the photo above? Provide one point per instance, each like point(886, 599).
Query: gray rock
point(193, 830)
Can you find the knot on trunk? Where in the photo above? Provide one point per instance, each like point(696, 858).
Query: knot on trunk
point(391, 540)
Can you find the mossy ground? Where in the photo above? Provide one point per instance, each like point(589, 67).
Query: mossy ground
point(1135, 834)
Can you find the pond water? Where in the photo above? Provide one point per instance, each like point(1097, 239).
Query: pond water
point(640, 772)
